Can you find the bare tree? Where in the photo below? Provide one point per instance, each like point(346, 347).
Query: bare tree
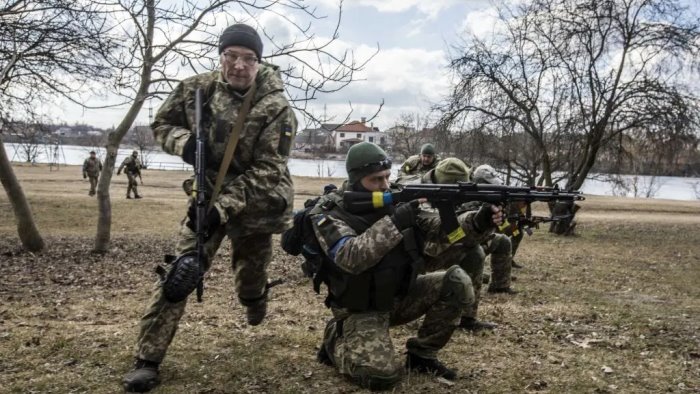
point(169, 41)
point(48, 48)
point(575, 74)
point(409, 133)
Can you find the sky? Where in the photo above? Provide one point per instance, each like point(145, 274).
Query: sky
point(408, 73)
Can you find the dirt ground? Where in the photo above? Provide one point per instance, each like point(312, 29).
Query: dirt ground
point(614, 309)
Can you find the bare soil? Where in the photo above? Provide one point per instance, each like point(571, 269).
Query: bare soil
point(614, 309)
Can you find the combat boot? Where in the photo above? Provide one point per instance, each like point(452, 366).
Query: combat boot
point(471, 324)
point(137, 196)
point(128, 196)
point(504, 290)
point(323, 357)
point(256, 309)
point(515, 265)
point(429, 366)
point(144, 377)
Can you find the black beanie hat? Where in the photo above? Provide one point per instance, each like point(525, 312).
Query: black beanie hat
point(242, 35)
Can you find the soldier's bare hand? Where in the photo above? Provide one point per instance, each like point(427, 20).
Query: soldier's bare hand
point(497, 216)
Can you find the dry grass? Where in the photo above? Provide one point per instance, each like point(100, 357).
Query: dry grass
point(622, 295)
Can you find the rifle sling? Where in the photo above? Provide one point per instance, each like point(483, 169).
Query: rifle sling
point(232, 142)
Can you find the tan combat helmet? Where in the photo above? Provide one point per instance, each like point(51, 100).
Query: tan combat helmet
point(486, 174)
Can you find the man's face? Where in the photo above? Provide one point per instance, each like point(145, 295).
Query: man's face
point(376, 181)
point(239, 65)
point(93, 155)
point(426, 160)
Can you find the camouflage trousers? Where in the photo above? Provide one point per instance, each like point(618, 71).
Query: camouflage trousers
point(250, 258)
point(133, 184)
point(93, 184)
point(471, 260)
point(515, 242)
point(499, 247)
point(360, 346)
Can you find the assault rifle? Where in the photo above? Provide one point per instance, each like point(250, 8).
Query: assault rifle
point(529, 222)
point(447, 197)
point(199, 192)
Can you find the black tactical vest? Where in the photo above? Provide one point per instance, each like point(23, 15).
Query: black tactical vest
point(376, 288)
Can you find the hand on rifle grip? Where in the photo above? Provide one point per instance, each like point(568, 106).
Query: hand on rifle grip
point(487, 217)
point(405, 215)
point(211, 221)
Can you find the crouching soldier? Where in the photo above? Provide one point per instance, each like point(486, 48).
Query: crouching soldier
point(371, 265)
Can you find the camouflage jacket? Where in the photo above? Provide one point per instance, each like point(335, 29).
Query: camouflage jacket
point(414, 166)
point(257, 193)
point(132, 164)
point(92, 167)
point(355, 253)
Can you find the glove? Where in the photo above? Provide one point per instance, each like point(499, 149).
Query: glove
point(84, 176)
point(211, 221)
point(483, 220)
point(405, 215)
point(189, 151)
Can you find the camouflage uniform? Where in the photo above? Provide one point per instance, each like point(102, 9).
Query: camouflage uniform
point(414, 166)
point(91, 170)
point(467, 252)
point(256, 196)
point(499, 246)
point(133, 169)
point(358, 342)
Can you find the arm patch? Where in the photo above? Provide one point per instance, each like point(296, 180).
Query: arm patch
point(286, 135)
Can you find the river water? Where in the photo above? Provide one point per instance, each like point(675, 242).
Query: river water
point(673, 188)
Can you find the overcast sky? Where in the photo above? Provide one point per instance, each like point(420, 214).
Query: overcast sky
point(408, 73)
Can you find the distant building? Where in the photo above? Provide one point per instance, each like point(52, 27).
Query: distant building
point(349, 134)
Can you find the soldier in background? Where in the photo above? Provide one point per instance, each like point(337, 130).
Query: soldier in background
point(256, 196)
point(133, 170)
point(421, 163)
point(91, 170)
point(372, 268)
point(468, 253)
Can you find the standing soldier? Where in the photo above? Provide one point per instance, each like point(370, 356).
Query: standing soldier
point(256, 196)
point(421, 163)
point(371, 266)
point(133, 170)
point(91, 169)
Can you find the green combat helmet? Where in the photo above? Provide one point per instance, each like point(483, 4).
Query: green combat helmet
point(451, 170)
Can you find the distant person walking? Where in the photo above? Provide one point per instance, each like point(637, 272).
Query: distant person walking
point(133, 170)
point(91, 169)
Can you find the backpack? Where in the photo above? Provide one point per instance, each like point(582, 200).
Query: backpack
point(300, 239)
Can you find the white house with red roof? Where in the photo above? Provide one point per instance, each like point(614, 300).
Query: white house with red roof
point(349, 134)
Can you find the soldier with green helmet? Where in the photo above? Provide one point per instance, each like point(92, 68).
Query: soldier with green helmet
point(256, 196)
point(91, 169)
point(133, 170)
point(467, 253)
point(373, 269)
point(421, 163)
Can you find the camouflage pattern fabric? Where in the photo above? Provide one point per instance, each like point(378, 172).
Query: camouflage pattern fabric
point(251, 256)
point(413, 166)
point(256, 195)
point(133, 166)
point(360, 346)
point(257, 190)
point(499, 247)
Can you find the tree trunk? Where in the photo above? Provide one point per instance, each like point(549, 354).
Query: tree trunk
point(104, 220)
point(26, 229)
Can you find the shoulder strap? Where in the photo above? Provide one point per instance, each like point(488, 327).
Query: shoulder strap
point(232, 142)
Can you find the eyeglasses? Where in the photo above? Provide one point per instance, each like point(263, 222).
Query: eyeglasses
point(385, 164)
point(248, 60)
